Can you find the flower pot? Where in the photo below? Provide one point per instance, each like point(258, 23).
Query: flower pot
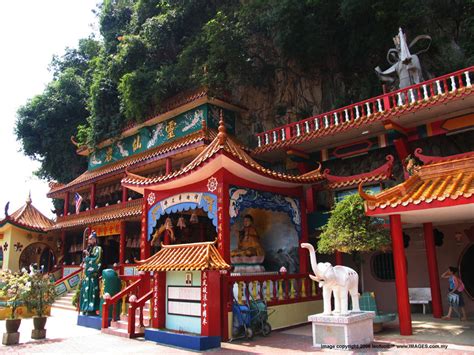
point(13, 325)
point(39, 322)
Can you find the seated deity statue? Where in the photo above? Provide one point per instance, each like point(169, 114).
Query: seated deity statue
point(249, 241)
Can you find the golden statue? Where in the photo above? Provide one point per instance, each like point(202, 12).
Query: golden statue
point(249, 241)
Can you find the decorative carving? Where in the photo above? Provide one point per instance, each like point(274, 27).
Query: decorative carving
point(137, 143)
point(108, 154)
point(212, 184)
point(170, 127)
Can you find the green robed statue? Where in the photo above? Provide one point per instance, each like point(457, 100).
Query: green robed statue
point(90, 297)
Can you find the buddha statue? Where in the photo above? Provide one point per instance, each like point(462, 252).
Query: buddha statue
point(249, 241)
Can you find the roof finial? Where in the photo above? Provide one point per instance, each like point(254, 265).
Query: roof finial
point(28, 200)
point(221, 136)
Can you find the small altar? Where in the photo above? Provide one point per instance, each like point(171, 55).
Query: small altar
point(351, 330)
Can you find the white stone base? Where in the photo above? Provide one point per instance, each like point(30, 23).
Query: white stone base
point(346, 331)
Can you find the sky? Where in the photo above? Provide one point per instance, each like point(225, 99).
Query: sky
point(33, 31)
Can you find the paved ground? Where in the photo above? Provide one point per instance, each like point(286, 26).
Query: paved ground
point(64, 337)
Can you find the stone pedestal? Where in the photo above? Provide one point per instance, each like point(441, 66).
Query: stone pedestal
point(38, 334)
point(11, 338)
point(347, 332)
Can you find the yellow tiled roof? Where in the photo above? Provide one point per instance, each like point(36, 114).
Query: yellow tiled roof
point(104, 214)
point(224, 145)
point(120, 166)
point(28, 217)
point(185, 257)
point(448, 179)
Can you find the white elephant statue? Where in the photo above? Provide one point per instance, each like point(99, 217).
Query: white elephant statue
point(339, 280)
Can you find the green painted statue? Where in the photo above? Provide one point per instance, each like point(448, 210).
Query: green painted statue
point(112, 286)
point(90, 298)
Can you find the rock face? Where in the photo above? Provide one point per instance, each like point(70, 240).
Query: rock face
point(291, 95)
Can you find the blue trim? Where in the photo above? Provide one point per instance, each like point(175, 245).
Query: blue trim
point(208, 203)
point(94, 322)
point(242, 198)
point(187, 341)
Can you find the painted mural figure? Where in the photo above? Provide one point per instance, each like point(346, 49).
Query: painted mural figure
point(249, 241)
point(90, 298)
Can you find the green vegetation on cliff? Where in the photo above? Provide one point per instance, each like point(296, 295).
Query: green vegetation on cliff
point(153, 49)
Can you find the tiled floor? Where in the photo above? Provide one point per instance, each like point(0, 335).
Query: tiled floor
point(64, 337)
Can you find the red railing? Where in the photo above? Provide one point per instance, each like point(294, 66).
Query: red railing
point(68, 276)
point(100, 210)
point(274, 288)
point(136, 288)
point(380, 105)
point(134, 305)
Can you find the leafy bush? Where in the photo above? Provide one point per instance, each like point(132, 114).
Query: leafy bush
point(12, 287)
point(39, 292)
point(350, 230)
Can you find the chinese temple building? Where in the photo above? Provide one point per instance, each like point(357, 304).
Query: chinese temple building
point(25, 239)
point(178, 203)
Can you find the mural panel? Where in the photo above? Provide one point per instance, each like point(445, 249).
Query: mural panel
point(163, 132)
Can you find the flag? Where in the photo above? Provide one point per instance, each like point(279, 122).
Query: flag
point(78, 201)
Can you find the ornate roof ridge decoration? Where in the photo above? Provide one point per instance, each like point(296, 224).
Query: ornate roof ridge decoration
point(224, 144)
point(430, 159)
point(381, 173)
point(105, 214)
point(452, 178)
point(126, 163)
point(28, 217)
point(185, 257)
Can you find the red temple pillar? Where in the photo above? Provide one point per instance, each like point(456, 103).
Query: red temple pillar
point(304, 237)
point(169, 165)
point(310, 200)
point(122, 242)
point(66, 203)
point(433, 270)
point(211, 303)
point(63, 246)
point(401, 282)
point(339, 259)
point(124, 194)
point(158, 315)
point(223, 220)
point(93, 192)
point(144, 244)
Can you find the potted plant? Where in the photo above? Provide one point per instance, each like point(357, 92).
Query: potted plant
point(39, 295)
point(12, 288)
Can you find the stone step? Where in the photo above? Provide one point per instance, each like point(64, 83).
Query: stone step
point(124, 324)
point(61, 306)
point(122, 332)
point(63, 302)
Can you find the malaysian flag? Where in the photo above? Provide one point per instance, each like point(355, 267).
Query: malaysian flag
point(78, 201)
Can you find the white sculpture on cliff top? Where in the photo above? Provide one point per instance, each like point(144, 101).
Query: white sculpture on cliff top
point(405, 66)
point(338, 280)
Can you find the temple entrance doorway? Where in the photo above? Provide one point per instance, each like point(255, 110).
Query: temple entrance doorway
point(466, 269)
point(38, 254)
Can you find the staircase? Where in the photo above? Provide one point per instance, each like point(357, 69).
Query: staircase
point(120, 327)
point(65, 302)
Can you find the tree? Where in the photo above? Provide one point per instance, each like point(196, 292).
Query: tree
point(153, 49)
point(350, 230)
